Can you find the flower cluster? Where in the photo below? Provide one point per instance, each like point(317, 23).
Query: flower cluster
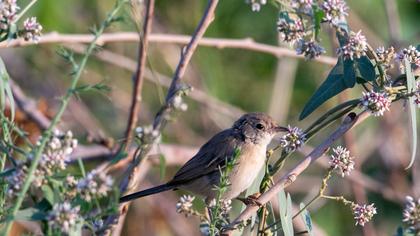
point(310, 49)
point(185, 204)
point(412, 54)
point(64, 217)
point(342, 161)
point(53, 160)
point(304, 6)
point(8, 11)
point(16, 181)
point(334, 10)
point(8, 14)
point(355, 47)
point(411, 213)
point(386, 56)
point(256, 4)
point(290, 30)
point(55, 157)
point(95, 185)
point(363, 213)
point(225, 206)
point(32, 30)
point(376, 102)
point(147, 134)
point(178, 103)
point(293, 139)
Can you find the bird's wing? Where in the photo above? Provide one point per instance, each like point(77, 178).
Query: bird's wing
point(209, 158)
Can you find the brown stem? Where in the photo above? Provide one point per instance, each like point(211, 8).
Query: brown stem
point(160, 120)
point(139, 75)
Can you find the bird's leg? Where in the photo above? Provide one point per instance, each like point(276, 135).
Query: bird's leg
point(251, 200)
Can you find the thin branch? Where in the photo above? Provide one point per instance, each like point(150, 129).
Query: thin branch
point(160, 120)
point(139, 75)
point(220, 43)
point(129, 64)
point(291, 176)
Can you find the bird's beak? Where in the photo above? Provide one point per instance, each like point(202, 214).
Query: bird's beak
point(279, 129)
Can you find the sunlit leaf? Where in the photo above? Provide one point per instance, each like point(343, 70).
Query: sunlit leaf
point(285, 213)
point(411, 86)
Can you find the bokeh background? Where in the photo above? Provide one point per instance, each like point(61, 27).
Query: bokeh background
point(233, 81)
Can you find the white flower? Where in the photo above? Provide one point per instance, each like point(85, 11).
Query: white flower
point(290, 30)
point(376, 102)
point(363, 213)
point(411, 213)
point(302, 5)
point(293, 139)
point(31, 29)
point(386, 56)
point(95, 185)
point(412, 54)
point(355, 48)
point(8, 12)
point(63, 217)
point(342, 161)
point(335, 10)
point(256, 4)
point(185, 205)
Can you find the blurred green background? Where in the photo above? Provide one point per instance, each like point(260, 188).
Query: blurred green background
point(244, 79)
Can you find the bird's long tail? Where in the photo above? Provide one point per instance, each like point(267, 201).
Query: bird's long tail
point(147, 192)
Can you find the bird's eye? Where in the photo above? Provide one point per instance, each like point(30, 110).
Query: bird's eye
point(259, 126)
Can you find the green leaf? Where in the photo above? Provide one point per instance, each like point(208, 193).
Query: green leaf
point(48, 194)
point(317, 19)
point(7, 172)
point(30, 214)
point(411, 86)
point(333, 85)
point(400, 231)
point(366, 69)
point(285, 204)
point(162, 166)
point(349, 73)
point(12, 32)
point(5, 90)
point(306, 219)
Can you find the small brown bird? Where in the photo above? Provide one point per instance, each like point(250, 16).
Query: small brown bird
point(250, 135)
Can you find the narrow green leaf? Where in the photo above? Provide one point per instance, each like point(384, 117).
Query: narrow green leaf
point(366, 69)
point(306, 219)
point(285, 213)
point(48, 194)
point(411, 86)
point(317, 19)
point(162, 166)
point(6, 90)
point(349, 73)
point(289, 217)
point(7, 172)
point(333, 85)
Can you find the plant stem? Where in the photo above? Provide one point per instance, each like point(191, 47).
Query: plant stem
point(64, 102)
point(30, 4)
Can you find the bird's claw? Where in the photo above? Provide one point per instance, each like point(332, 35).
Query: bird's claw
point(251, 200)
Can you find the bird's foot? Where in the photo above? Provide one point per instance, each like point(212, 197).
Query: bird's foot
point(251, 200)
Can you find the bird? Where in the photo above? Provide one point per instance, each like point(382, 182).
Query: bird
point(249, 136)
